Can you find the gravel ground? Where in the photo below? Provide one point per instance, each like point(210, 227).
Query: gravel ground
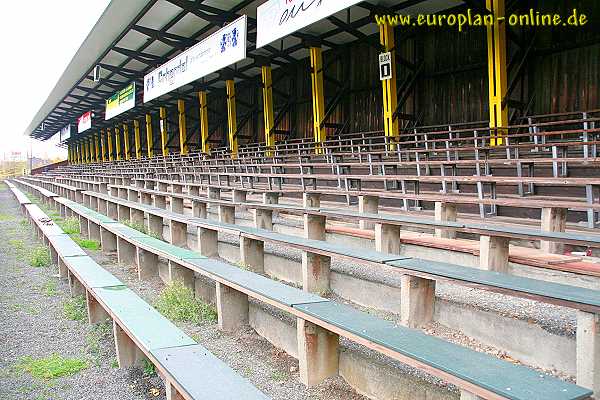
point(34, 326)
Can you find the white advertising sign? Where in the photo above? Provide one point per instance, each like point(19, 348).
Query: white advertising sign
point(278, 18)
point(84, 122)
point(221, 49)
point(65, 133)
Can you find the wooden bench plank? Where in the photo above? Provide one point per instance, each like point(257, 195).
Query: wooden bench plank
point(65, 246)
point(90, 273)
point(146, 324)
point(201, 375)
point(266, 287)
point(533, 287)
point(505, 379)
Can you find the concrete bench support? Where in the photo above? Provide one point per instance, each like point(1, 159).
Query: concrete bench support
point(155, 225)
point(588, 350)
point(128, 354)
point(112, 210)
point(311, 200)
point(387, 238)
point(94, 203)
point(171, 392)
point(93, 230)
point(315, 272)
point(123, 193)
point(208, 242)
point(445, 212)
point(179, 273)
point(252, 254)
point(126, 253)
point(147, 264)
point(232, 308)
point(132, 195)
point(314, 226)
point(176, 188)
point(368, 205)
point(317, 353)
point(178, 232)
point(213, 193)
point(417, 302)
point(199, 209)
point(493, 253)
point(464, 395)
point(146, 199)
point(194, 191)
point(270, 198)
point(83, 226)
point(63, 272)
point(238, 196)
point(96, 313)
point(108, 240)
point(176, 204)
point(124, 213)
point(77, 289)
point(162, 186)
point(160, 201)
point(226, 214)
point(263, 219)
point(137, 216)
point(53, 255)
point(102, 206)
point(553, 220)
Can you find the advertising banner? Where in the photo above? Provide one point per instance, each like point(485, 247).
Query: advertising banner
point(120, 102)
point(64, 133)
point(84, 122)
point(278, 18)
point(221, 49)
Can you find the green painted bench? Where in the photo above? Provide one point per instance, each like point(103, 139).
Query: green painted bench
point(499, 377)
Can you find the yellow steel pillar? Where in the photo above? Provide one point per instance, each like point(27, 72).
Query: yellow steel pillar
point(164, 133)
point(86, 151)
point(102, 145)
point(390, 96)
point(149, 135)
point(497, 72)
point(136, 134)
point(126, 140)
point(231, 118)
point(110, 146)
point(90, 144)
point(118, 143)
point(97, 146)
point(203, 122)
point(318, 98)
point(183, 146)
point(268, 109)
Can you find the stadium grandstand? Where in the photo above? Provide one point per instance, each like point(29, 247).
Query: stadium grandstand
point(381, 199)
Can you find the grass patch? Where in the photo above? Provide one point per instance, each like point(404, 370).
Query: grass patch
point(279, 376)
point(93, 338)
point(23, 222)
point(86, 243)
point(177, 303)
point(70, 225)
point(6, 217)
point(50, 288)
point(148, 367)
point(114, 364)
point(40, 257)
point(75, 308)
point(51, 367)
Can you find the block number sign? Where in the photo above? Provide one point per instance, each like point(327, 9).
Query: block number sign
point(385, 66)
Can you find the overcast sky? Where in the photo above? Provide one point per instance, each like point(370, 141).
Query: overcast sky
point(39, 38)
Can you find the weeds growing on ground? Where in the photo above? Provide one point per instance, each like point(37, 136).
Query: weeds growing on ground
point(148, 367)
point(279, 376)
point(177, 303)
point(142, 228)
point(93, 338)
point(49, 288)
point(75, 308)
point(70, 225)
point(86, 243)
point(53, 366)
point(40, 257)
point(6, 217)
